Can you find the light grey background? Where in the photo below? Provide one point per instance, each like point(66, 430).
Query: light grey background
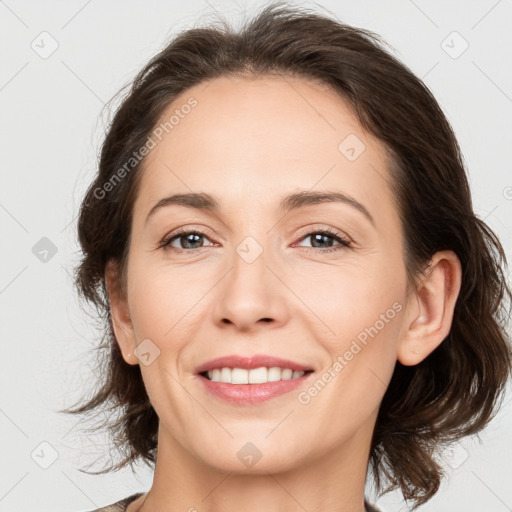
point(51, 128)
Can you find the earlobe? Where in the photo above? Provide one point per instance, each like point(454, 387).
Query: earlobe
point(120, 313)
point(430, 309)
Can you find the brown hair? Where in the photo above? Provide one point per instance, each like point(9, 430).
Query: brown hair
point(453, 392)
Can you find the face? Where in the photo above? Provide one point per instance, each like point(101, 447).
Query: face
point(320, 284)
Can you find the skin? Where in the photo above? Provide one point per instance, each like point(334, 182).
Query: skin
point(249, 142)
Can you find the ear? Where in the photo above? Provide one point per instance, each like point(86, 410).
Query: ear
point(430, 309)
point(120, 313)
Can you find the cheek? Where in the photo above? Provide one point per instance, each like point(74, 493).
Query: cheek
point(357, 307)
point(167, 301)
point(155, 299)
point(366, 322)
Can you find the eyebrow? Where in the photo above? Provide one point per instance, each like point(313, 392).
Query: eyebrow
point(205, 202)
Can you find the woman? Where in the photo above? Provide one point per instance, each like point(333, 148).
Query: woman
point(295, 286)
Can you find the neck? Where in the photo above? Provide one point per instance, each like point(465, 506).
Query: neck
point(331, 482)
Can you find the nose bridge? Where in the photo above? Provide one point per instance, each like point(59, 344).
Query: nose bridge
point(253, 236)
point(256, 246)
point(250, 249)
point(249, 264)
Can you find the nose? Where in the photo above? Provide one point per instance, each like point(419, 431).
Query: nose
point(251, 294)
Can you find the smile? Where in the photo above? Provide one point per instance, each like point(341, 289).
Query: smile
point(260, 375)
point(245, 393)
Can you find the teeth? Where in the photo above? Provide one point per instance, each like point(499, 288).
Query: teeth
point(260, 375)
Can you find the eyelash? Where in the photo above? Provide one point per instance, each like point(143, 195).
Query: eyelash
point(343, 242)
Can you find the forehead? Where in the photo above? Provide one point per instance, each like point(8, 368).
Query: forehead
point(255, 139)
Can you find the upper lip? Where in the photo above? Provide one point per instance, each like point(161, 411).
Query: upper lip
point(248, 363)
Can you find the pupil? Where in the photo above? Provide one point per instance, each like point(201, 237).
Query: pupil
point(318, 237)
point(191, 236)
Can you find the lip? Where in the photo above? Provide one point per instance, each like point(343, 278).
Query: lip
point(251, 394)
point(249, 363)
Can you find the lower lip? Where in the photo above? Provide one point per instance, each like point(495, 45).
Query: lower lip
point(249, 394)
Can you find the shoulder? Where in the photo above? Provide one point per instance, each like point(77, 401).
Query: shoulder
point(370, 508)
point(119, 506)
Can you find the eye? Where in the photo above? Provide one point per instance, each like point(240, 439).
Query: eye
point(322, 236)
point(191, 240)
point(186, 240)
